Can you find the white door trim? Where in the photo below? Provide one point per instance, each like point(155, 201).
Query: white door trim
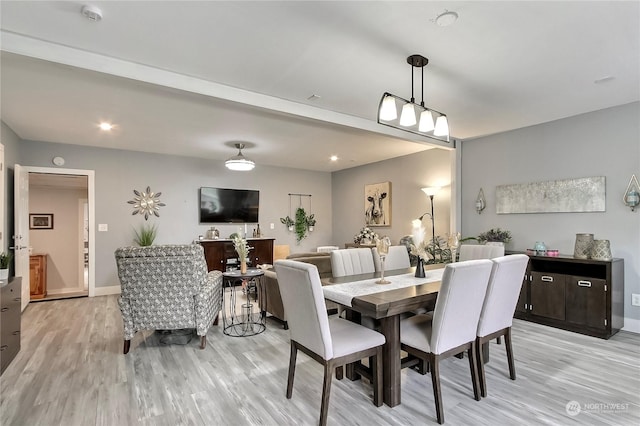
point(90, 174)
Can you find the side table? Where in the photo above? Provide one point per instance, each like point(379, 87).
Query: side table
point(246, 322)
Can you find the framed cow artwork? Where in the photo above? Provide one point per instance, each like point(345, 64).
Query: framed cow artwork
point(377, 204)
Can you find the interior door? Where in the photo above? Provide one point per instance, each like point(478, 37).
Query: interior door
point(21, 230)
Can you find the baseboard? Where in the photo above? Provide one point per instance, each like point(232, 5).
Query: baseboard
point(106, 291)
point(631, 325)
point(61, 291)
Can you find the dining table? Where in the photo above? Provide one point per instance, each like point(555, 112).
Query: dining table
point(386, 303)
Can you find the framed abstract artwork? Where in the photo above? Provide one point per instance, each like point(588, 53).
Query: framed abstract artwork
point(377, 204)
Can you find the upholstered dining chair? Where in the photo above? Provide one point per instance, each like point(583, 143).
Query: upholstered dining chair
point(397, 258)
point(331, 342)
point(479, 251)
point(499, 306)
point(454, 323)
point(352, 261)
point(167, 287)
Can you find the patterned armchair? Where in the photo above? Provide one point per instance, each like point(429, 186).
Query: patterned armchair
point(167, 287)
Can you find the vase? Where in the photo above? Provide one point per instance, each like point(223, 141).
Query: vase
point(243, 266)
point(4, 274)
point(583, 245)
point(420, 268)
point(365, 241)
point(601, 250)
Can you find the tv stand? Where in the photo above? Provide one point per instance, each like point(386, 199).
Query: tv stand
point(221, 254)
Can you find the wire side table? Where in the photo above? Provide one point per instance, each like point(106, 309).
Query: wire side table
point(246, 322)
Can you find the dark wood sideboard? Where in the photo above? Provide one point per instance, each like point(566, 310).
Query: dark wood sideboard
point(221, 254)
point(580, 295)
point(10, 302)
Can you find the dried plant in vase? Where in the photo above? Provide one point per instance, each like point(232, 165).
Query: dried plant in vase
point(240, 244)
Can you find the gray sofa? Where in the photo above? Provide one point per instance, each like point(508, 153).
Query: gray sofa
point(274, 299)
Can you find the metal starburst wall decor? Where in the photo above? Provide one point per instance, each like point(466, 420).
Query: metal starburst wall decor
point(146, 203)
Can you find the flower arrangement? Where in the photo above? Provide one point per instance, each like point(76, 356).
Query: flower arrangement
point(496, 234)
point(365, 234)
point(240, 244)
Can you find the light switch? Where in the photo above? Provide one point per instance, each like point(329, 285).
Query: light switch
point(103, 227)
point(272, 226)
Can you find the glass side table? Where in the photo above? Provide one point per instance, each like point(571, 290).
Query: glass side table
point(247, 319)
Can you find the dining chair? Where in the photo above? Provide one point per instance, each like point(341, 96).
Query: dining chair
point(332, 342)
point(479, 251)
point(397, 258)
point(352, 261)
point(454, 323)
point(496, 317)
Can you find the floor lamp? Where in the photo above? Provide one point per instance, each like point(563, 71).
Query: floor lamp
point(431, 191)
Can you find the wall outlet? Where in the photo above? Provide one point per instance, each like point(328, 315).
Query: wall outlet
point(272, 226)
point(103, 227)
point(635, 299)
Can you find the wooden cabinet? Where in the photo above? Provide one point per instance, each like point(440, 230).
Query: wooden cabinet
point(221, 254)
point(38, 275)
point(580, 295)
point(547, 295)
point(9, 321)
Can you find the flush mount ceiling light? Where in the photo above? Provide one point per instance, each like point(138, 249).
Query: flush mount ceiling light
point(91, 12)
point(414, 118)
point(239, 162)
point(446, 18)
point(105, 126)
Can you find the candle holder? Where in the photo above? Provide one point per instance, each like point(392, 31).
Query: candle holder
point(383, 245)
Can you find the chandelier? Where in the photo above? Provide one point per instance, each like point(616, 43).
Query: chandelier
point(413, 118)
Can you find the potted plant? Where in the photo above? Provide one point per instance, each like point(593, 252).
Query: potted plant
point(288, 222)
point(301, 224)
point(496, 235)
point(5, 261)
point(365, 236)
point(146, 235)
point(311, 222)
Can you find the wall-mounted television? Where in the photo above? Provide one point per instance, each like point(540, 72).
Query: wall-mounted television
point(222, 205)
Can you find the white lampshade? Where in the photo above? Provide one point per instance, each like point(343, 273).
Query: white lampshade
point(239, 164)
point(408, 116)
point(426, 121)
point(431, 190)
point(442, 126)
point(388, 109)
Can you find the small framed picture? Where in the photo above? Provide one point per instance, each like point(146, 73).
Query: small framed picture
point(41, 221)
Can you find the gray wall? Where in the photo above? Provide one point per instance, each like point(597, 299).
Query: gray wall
point(118, 173)
point(602, 143)
point(407, 175)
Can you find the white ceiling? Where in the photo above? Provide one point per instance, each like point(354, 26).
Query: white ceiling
point(183, 77)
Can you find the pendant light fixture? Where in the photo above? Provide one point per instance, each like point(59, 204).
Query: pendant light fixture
point(239, 162)
point(414, 118)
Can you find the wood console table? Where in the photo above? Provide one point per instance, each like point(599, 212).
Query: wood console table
point(581, 295)
point(221, 254)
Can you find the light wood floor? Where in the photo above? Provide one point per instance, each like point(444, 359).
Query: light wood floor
point(71, 371)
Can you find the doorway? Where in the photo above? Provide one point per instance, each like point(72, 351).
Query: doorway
point(58, 215)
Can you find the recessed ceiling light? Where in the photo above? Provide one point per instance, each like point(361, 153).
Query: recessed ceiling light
point(106, 126)
point(446, 18)
point(334, 158)
point(92, 13)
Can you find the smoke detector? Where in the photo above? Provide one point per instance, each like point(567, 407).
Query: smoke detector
point(91, 12)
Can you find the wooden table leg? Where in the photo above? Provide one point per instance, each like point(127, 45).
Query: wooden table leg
point(390, 327)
